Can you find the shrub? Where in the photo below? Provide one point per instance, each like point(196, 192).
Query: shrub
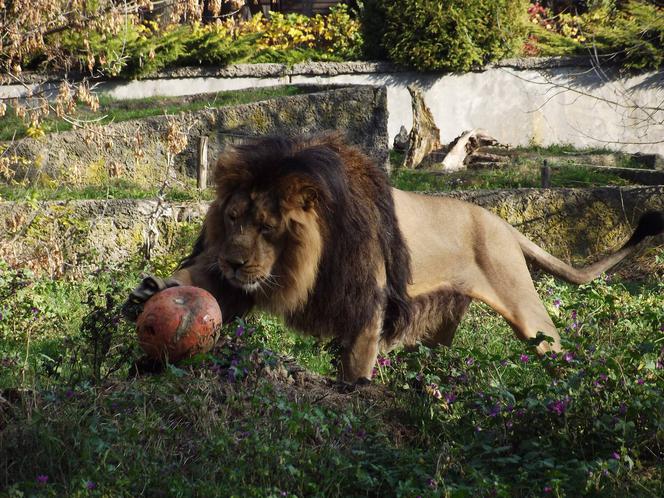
point(636, 36)
point(455, 35)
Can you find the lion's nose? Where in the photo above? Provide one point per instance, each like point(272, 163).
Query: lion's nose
point(235, 263)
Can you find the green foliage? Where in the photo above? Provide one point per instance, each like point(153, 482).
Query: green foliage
point(143, 49)
point(452, 36)
point(629, 34)
point(373, 14)
point(636, 36)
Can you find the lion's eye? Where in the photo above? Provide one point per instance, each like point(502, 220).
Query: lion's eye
point(265, 228)
point(232, 215)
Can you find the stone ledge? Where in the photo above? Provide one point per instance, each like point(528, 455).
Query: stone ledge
point(275, 70)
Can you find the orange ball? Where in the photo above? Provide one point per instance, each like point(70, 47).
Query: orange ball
point(179, 322)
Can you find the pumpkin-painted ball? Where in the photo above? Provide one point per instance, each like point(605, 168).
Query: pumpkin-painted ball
point(179, 322)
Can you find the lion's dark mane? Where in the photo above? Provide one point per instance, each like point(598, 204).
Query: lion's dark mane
point(356, 211)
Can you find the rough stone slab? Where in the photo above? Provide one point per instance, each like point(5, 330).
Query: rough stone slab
point(136, 150)
point(70, 237)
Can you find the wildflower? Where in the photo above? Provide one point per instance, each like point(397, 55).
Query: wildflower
point(640, 381)
point(524, 358)
point(574, 315)
point(548, 489)
point(361, 434)
point(503, 363)
point(470, 361)
point(450, 397)
point(384, 362)
point(374, 372)
point(495, 411)
point(509, 424)
point(69, 394)
point(554, 356)
point(568, 357)
point(239, 331)
point(557, 303)
point(432, 483)
point(623, 409)
point(559, 407)
point(615, 455)
point(91, 485)
point(42, 479)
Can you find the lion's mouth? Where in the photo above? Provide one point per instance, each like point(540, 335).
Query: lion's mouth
point(248, 283)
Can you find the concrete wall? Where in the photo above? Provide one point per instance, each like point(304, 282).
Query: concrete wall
point(541, 101)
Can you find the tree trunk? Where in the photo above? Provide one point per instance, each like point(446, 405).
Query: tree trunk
point(424, 136)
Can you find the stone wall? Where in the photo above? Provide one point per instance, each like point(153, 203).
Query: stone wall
point(137, 150)
point(67, 237)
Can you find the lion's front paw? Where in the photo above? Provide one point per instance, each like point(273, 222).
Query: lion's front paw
point(349, 387)
point(133, 307)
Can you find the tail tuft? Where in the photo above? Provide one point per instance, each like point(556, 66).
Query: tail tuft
point(650, 223)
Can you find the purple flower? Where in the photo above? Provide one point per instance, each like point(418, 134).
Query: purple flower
point(374, 372)
point(384, 362)
point(42, 479)
point(640, 382)
point(69, 394)
point(557, 303)
point(548, 489)
point(239, 331)
point(495, 411)
point(284, 493)
point(623, 408)
point(615, 455)
point(554, 356)
point(450, 397)
point(568, 357)
point(470, 361)
point(574, 315)
point(524, 358)
point(503, 363)
point(559, 407)
point(432, 483)
point(91, 485)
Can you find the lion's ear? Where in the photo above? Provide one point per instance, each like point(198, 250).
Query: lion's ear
point(299, 193)
point(308, 198)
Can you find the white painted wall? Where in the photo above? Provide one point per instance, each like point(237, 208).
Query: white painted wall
point(517, 106)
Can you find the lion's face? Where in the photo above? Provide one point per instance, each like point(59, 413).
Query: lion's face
point(254, 238)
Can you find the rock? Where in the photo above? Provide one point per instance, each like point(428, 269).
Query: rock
point(401, 140)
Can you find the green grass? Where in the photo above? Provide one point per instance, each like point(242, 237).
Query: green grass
point(484, 417)
point(113, 189)
point(522, 171)
point(111, 110)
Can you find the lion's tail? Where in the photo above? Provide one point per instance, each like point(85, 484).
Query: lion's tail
point(650, 224)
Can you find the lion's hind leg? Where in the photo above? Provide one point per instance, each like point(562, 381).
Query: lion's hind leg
point(511, 292)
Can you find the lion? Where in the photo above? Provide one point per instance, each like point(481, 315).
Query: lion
point(310, 229)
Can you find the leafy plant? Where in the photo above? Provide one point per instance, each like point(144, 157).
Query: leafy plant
point(451, 36)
